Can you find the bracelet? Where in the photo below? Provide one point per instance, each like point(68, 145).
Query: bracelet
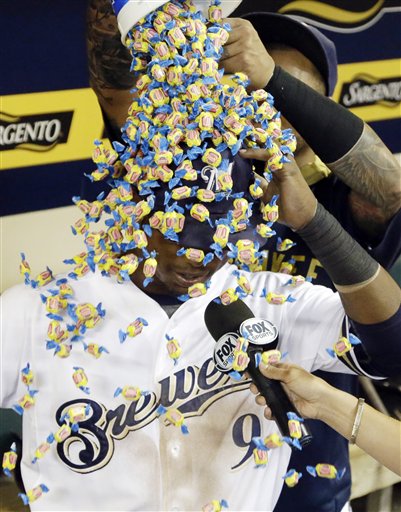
point(357, 420)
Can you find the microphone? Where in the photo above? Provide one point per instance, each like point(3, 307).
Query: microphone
point(226, 324)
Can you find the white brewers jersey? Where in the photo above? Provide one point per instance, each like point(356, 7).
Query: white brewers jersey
point(125, 455)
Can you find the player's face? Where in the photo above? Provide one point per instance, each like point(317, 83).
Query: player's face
point(174, 274)
point(302, 68)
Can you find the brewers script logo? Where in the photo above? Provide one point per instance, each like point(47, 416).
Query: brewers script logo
point(40, 132)
point(192, 390)
point(336, 15)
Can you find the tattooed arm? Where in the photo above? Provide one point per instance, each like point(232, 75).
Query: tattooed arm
point(374, 176)
point(109, 62)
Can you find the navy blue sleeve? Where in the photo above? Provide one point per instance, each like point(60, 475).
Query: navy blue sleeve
point(333, 194)
point(379, 353)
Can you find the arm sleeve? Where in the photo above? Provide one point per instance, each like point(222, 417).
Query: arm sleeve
point(380, 351)
point(331, 133)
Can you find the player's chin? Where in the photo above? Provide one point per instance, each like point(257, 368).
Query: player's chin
point(182, 280)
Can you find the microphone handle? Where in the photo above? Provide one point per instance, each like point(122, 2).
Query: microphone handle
point(278, 401)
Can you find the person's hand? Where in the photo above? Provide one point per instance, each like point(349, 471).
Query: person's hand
point(244, 52)
point(297, 204)
point(306, 391)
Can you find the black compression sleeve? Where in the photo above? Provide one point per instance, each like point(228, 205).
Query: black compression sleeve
point(327, 127)
point(346, 262)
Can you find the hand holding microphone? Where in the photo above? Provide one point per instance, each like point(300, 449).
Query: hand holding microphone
point(226, 324)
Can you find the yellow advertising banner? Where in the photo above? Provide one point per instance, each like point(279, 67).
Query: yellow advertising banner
point(48, 127)
point(371, 90)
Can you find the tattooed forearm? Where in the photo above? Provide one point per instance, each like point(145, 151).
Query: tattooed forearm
point(109, 60)
point(374, 174)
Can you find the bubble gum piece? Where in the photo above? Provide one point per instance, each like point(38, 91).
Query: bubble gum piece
point(173, 348)
point(61, 350)
point(243, 283)
point(134, 171)
point(95, 350)
point(128, 263)
point(176, 37)
point(260, 456)
point(181, 193)
point(41, 451)
point(297, 280)
point(62, 433)
point(217, 138)
point(174, 416)
point(156, 220)
point(43, 278)
point(159, 23)
point(193, 138)
point(131, 393)
point(27, 375)
point(197, 289)
point(270, 210)
point(175, 136)
point(26, 402)
point(241, 361)
point(10, 459)
point(294, 425)
point(273, 441)
point(276, 298)
point(25, 269)
point(287, 267)
point(174, 221)
point(85, 311)
point(224, 181)
point(149, 269)
point(164, 173)
point(80, 379)
point(265, 231)
point(140, 239)
point(324, 470)
point(163, 157)
point(205, 195)
point(141, 46)
point(205, 121)
point(215, 506)
point(158, 73)
point(271, 357)
point(284, 245)
point(275, 162)
point(292, 477)
point(193, 92)
point(55, 304)
point(33, 494)
point(76, 414)
point(144, 80)
point(133, 329)
point(255, 190)
point(199, 212)
point(228, 296)
point(246, 251)
point(221, 234)
point(344, 345)
point(192, 254)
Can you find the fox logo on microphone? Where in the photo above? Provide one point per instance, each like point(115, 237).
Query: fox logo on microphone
point(258, 331)
point(223, 351)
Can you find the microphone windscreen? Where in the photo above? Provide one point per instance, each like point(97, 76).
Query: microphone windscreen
point(220, 319)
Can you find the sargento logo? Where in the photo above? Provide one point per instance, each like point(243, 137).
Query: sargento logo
point(35, 132)
point(366, 90)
